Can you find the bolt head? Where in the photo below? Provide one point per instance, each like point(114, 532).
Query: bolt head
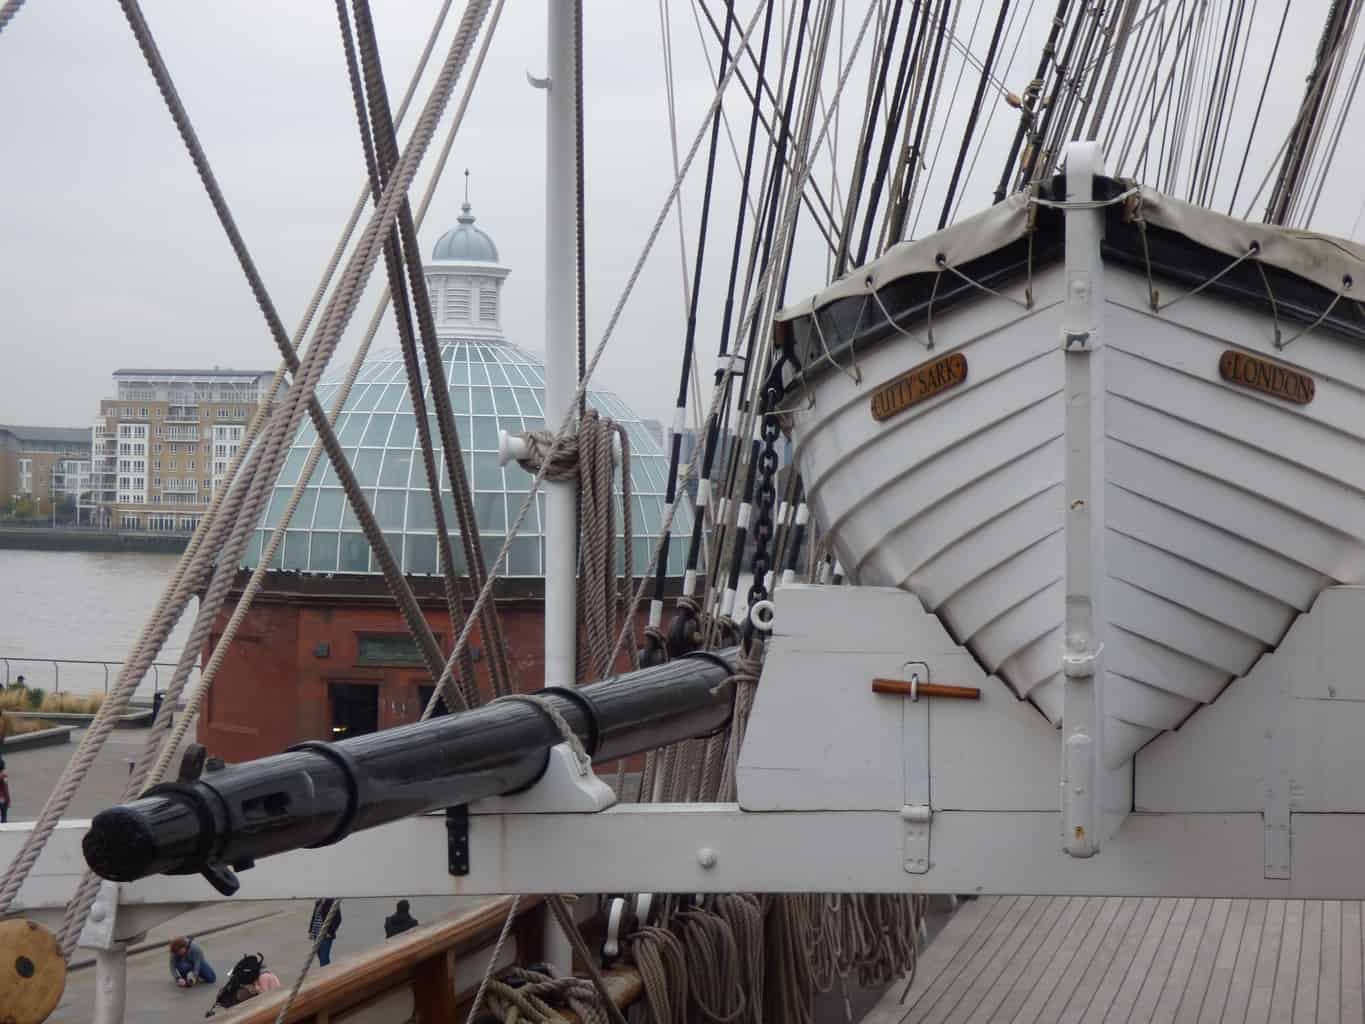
point(706, 857)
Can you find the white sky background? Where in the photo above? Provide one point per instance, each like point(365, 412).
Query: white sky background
point(110, 254)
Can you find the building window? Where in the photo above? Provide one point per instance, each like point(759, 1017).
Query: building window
point(488, 304)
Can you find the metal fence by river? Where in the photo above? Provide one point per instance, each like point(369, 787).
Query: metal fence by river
point(84, 610)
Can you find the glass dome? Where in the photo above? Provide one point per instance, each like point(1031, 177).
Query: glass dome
point(493, 385)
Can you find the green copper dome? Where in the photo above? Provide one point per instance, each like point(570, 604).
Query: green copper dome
point(493, 385)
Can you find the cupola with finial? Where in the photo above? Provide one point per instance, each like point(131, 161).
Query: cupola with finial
point(465, 279)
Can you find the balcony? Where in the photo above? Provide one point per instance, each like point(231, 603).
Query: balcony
point(181, 434)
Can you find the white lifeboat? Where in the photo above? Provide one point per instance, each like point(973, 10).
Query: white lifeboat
point(928, 408)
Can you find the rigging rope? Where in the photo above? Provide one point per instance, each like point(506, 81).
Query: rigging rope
point(247, 598)
point(565, 427)
point(283, 427)
point(168, 610)
point(8, 12)
point(975, 113)
point(380, 151)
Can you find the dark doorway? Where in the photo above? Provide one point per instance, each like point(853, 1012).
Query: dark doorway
point(355, 709)
point(424, 694)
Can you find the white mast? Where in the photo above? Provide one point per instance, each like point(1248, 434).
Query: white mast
point(561, 372)
point(561, 527)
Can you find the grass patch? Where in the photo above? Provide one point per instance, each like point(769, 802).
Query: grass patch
point(11, 726)
point(32, 698)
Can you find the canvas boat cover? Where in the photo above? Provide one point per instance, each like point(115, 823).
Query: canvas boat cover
point(1334, 264)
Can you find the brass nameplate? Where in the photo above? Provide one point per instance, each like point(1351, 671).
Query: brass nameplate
point(916, 385)
point(1272, 378)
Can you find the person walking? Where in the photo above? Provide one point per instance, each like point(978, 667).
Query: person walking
point(4, 793)
point(322, 909)
point(399, 921)
point(188, 965)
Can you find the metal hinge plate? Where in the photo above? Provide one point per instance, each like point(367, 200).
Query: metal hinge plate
point(917, 818)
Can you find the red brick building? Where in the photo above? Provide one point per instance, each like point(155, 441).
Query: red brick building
point(321, 658)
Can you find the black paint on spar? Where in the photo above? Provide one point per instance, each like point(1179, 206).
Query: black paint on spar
point(316, 793)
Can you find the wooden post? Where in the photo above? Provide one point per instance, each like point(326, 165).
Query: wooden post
point(433, 989)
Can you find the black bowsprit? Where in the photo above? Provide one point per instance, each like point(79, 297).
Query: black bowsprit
point(318, 793)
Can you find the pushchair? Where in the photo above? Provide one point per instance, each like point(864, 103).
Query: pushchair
point(237, 989)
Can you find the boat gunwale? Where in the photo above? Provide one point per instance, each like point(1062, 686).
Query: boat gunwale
point(911, 300)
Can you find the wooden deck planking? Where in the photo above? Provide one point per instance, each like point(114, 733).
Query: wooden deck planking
point(1112, 979)
point(996, 956)
point(1173, 991)
point(1248, 958)
point(1088, 950)
point(932, 961)
point(1074, 960)
point(1287, 968)
point(1056, 970)
point(1201, 967)
point(1224, 965)
point(1043, 953)
point(1329, 977)
point(952, 995)
point(1100, 963)
point(1352, 1003)
point(993, 914)
point(1042, 918)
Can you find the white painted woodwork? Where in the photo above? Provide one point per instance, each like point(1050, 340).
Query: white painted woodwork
point(1226, 511)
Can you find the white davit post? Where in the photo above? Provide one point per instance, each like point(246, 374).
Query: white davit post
point(1084, 778)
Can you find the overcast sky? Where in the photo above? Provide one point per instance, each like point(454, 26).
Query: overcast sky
point(111, 256)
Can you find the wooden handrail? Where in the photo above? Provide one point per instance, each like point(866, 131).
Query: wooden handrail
point(423, 958)
point(396, 963)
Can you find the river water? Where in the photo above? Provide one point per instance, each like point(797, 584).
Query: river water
point(80, 605)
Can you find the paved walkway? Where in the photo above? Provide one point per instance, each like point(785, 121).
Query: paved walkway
point(281, 936)
point(33, 773)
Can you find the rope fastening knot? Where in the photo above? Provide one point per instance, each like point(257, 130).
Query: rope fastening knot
point(566, 732)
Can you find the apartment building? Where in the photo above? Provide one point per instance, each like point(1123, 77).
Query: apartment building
point(43, 463)
point(163, 443)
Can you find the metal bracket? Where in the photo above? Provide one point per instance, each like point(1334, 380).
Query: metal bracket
point(1277, 756)
point(561, 789)
point(732, 363)
point(98, 930)
point(915, 763)
point(917, 818)
point(457, 840)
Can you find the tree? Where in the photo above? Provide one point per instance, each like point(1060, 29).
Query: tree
point(24, 506)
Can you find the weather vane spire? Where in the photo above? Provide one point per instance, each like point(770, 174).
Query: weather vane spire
point(466, 186)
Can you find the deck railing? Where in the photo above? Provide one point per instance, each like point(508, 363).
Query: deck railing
point(430, 974)
point(13, 667)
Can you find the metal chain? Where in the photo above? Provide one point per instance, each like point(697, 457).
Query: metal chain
point(765, 499)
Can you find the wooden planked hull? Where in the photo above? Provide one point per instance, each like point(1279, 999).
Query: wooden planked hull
point(1226, 509)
